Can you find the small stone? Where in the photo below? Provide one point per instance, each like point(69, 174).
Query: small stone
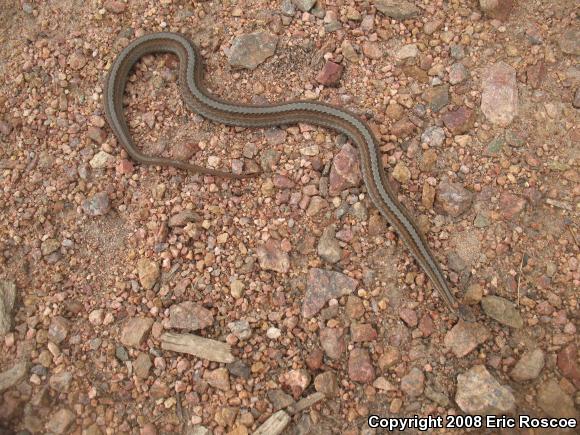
point(272, 257)
point(60, 381)
point(115, 6)
point(464, 337)
point(511, 205)
point(237, 288)
point(389, 358)
point(13, 376)
point(408, 51)
point(459, 121)
point(529, 366)
point(189, 315)
point(142, 365)
point(345, 171)
point(372, 50)
point(568, 365)
point(97, 205)
point(273, 333)
point(279, 399)
point(555, 402)
point(479, 393)
point(330, 74)
point(499, 98)
point(332, 342)
point(498, 9)
point(360, 367)
point(433, 136)
point(7, 299)
point(453, 199)
point(502, 310)
point(323, 285)
point(241, 329)
point(287, 8)
point(408, 316)
point(362, 332)
point(413, 383)
point(576, 101)
point(535, 74)
point(182, 218)
point(401, 173)
point(60, 421)
point(437, 97)
point(218, 378)
point(296, 381)
point(458, 73)
point(473, 294)
point(58, 329)
point(349, 52)
point(382, 383)
point(121, 353)
point(135, 331)
point(239, 369)
point(426, 325)
point(101, 160)
point(327, 384)
point(569, 41)
point(77, 60)
point(328, 246)
point(304, 5)
point(249, 51)
point(148, 271)
point(397, 9)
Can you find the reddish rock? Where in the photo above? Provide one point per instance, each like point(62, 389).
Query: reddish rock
point(115, 6)
point(535, 74)
point(360, 367)
point(568, 365)
point(426, 325)
point(499, 97)
point(345, 171)
point(511, 205)
point(97, 134)
point(332, 341)
point(413, 383)
point(453, 199)
point(314, 359)
point(465, 337)
point(296, 381)
point(498, 9)
point(361, 332)
point(408, 316)
point(322, 286)
point(458, 121)
point(282, 182)
point(272, 257)
point(124, 167)
point(189, 315)
point(403, 128)
point(330, 74)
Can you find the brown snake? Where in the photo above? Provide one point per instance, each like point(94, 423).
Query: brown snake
point(199, 100)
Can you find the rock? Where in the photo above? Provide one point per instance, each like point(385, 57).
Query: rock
point(101, 160)
point(77, 60)
point(279, 399)
point(249, 51)
point(511, 205)
point(349, 52)
point(239, 369)
point(237, 288)
point(296, 381)
point(182, 218)
point(433, 136)
point(287, 8)
point(97, 205)
point(272, 257)
point(413, 383)
point(58, 329)
point(478, 392)
point(473, 294)
point(360, 367)
point(426, 325)
point(408, 316)
point(135, 331)
point(388, 359)
point(555, 402)
point(148, 271)
point(458, 73)
point(142, 365)
point(382, 383)
point(499, 98)
point(529, 366)
point(332, 342)
point(60, 421)
point(241, 329)
point(330, 74)
point(327, 384)
point(362, 332)
point(218, 378)
point(13, 376)
point(189, 315)
point(328, 246)
point(323, 285)
point(60, 381)
point(502, 310)
point(464, 337)
point(397, 9)
point(408, 51)
point(453, 199)
point(304, 5)
point(436, 97)
point(345, 171)
point(459, 121)
point(148, 429)
point(7, 299)
point(114, 6)
point(49, 246)
point(498, 9)
point(403, 128)
point(535, 74)
point(372, 50)
point(568, 365)
point(569, 41)
point(576, 101)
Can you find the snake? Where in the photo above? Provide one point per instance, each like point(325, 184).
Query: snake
point(198, 99)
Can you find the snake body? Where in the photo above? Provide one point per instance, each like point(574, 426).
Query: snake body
point(199, 100)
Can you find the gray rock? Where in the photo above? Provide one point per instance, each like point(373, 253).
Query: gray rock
point(304, 5)
point(97, 205)
point(287, 8)
point(279, 399)
point(189, 315)
point(249, 51)
point(570, 42)
point(60, 421)
point(61, 381)
point(272, 257)
point(502, 310)
point(13, 376)
point(397, 9)
point(142, 365)
point(478, 392)
point(453, 199)
point(7, 299)
point(323, 285)
point(413, 383)
point(328, 247)
point(241, 329)
point(58, 329)
point(433, 136)
point(529, 366)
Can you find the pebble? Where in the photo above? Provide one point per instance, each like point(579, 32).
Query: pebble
point(101, 160)
point(345, 170)
point(464, 337)
point(568, 365)
point(458, 73)
point(499, 98)
point(241, 329)
point(330, 74)
point(436, 97)
point(327, 384)
point(397, 9)
point(569, 41)
point(498, 9)
point(272, 257)
point(360, 367)
point(322, 286)
point(97, 205)
point(60, 421)
point(7, 299)
point(362, 332)
point(529, 366)
point(58, 329)
point(249, 51)
point(401, 173)
point(453, 199)
point(459, 121)
point(408, 51)
point(555, 402)
point(333, 342)
point(13, 376)
point(328, 246)
point(502, 310)
point(408, 316)
point(148, 271)
point(479, 393)
point(218, 378)
point(413, 383)
point(190, 316)
point(135, 331)
point(304, 5)
point(296, 381)
point(279, 399)
point(433, 136)
point(60, 381)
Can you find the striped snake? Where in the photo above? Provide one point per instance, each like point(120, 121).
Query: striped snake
point(199, 100)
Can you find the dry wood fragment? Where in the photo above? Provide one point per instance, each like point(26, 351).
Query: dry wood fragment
point(274, 425)
point(200, 347)
point(305, 403)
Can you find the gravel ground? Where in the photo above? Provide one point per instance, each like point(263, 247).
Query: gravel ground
point(317, 314)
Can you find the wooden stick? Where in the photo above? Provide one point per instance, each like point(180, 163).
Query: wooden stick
point(200, 347)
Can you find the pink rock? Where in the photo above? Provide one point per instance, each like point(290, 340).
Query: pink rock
point(499, 99)
point(458, 121)
point(360, 367)
point(330, 74)
point(361, 332)
point(345, 171)
point(332, 341)
point(567, 363)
